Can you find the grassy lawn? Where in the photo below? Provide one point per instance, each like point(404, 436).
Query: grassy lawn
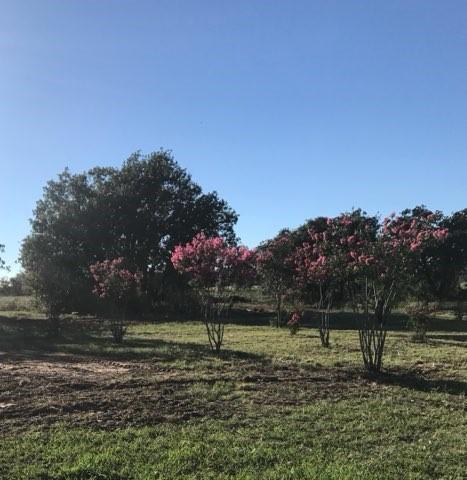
point(271, 406)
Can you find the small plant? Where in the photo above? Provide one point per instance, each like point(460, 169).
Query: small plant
point(294, 322)
point(419, 315)
point(116, 285)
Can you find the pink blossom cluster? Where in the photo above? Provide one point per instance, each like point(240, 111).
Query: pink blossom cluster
point(330, 253)
point(112, 280)
point(411, 233)
point(349, 245)
point(209, 261)
point(295, 318)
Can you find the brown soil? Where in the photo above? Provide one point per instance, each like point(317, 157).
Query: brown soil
point(79, 390)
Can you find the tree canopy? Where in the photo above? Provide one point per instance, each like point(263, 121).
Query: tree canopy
point(139, 211)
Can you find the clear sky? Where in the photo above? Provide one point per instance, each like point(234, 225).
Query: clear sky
point(289, 109)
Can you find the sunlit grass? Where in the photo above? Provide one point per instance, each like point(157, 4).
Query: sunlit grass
point(401, 429)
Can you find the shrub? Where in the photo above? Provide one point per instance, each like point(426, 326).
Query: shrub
point(419, 315)
point(116, 286)
point(294, 322)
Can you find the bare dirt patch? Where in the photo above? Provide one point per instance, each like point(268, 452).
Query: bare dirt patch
point(90, 391)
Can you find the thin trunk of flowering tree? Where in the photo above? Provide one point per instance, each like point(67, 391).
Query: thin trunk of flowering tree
point(118, 322)
point(118, 327)
point(325, 305)
point(324, 329)
point(215, 313)
point(372, 333)
point(278, 310)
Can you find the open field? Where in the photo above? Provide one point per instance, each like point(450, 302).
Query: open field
point(272, 406)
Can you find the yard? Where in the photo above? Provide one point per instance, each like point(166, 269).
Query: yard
point(271, 406)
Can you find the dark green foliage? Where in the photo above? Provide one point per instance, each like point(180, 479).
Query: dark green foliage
point(139, 212)
point(441, 264)
point(2, 262)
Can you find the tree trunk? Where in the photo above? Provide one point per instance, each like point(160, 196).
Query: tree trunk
point(372, 337)
point(215, 315)
point(324, 329)
point(325, 304)
point(372, 333)
point(278, 310)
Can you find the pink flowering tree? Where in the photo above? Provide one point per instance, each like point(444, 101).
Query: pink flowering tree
point(383, 269)
point(116, 285)
point(214, 269)
point(275, 266)
point(322, 262)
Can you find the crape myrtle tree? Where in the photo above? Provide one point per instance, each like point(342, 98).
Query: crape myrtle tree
point(214, 268)
point(139, 212)
point(384, 268)
point(117, 286)
point(322, 261)
point(275, 267)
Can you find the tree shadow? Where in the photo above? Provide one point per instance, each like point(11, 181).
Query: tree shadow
point(154, 349)
point(28, 338)
point(451, 337)
point(396, 322)
point(415, 381)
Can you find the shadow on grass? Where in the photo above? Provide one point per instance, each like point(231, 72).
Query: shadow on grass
point(29, 338)
point(397, 322)
point(344, 321)
point(416, 381)
point(453, 338)
point(150, 348)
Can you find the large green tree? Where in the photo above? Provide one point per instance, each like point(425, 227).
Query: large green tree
point(139, 212)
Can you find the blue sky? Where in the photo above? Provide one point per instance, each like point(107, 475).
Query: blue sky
point(289, 109)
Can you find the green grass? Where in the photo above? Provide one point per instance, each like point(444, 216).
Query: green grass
point(375, 439)
point(271, 406)
point(24, 304)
